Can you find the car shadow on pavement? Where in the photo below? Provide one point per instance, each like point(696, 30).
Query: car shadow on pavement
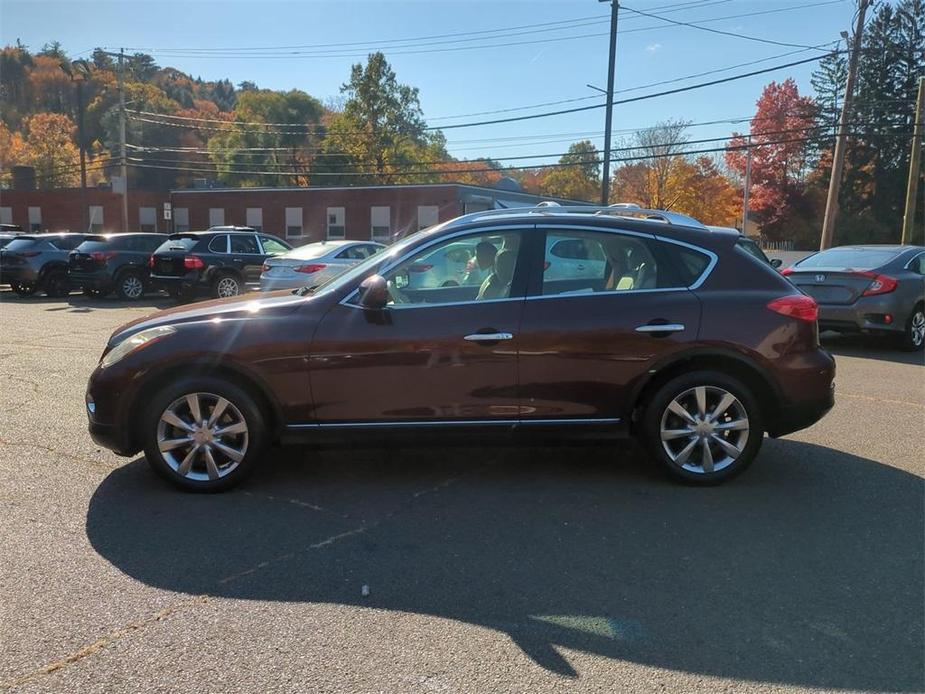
point(806, 570)
point(870, 347)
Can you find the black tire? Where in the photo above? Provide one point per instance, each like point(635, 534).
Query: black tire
point(57, 284)
point(912, 339)
point(239, 399)
point(23, 288)
point(226, 285)
point(179, 293)
point(696, 470)
point(130, 286)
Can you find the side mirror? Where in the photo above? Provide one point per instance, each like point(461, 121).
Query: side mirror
point(776, 262)
point(374, 293)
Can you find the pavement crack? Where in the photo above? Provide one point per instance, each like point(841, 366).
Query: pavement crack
point(101, 643)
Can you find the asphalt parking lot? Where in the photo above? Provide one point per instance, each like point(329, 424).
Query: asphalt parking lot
point(455, 569)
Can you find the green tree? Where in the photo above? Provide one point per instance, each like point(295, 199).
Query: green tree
point(381, 128)
point(580, 178)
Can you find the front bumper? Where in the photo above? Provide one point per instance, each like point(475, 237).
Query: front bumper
point(867, 314)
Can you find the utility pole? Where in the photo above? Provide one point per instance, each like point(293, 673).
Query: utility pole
point(841, 142)
point(83, 156)
point(608, 118)
point(912, 187)
point(122, 157)
point(748, 184)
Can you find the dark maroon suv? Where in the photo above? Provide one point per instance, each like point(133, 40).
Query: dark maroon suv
point(593, 322)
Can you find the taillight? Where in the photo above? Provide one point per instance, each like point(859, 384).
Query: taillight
point(151, 262)
point(419, 267)
point(193, 262)
point(882, 284)
point(787, 271)
point(797, 306)
point(546, 266)
point(264, 268)
point(102, 256)
point(309, 269)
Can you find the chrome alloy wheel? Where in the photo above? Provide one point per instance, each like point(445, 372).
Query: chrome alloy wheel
point(132, 287)
point(917, 328)
point(704, 429)
point(202, 436)
point(227, 286)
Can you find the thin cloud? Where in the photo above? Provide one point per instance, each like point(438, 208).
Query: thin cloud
point(652, 47)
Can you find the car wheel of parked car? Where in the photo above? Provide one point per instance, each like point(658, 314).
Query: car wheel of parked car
point(131, 287)
point(703, 427)
point(226, 286)
point(914, 337)
point(203, 434)
point(23, 288)
point(57, 284)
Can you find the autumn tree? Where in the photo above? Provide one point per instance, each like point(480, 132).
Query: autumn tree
point(650, 182)
point(50, 148)
point(781, 132)
point(579, 175)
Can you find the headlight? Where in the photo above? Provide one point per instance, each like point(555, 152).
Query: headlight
point(136, 341)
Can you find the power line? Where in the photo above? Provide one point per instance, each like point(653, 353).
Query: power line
point(718, 31)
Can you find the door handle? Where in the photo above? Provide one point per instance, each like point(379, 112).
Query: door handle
point(488, 337)
point(581, 267)
point(663, 328)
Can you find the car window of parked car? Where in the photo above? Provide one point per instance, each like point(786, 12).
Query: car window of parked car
point(22, 244)
point(917, 264)
point(66, 243)
point(356, 252)
point(244, 243)
point(272, 247)
point(219, 244)
point(434, 276)
point(752, 248)
point(149, 244)
point(586, 261)
point(845, 258)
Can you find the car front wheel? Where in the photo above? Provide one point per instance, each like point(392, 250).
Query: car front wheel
point(203, 434)
point(703, 427)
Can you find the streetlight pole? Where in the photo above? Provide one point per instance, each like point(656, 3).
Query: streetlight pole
point(608, 118)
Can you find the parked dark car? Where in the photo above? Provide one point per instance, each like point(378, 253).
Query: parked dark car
point(869, 289)
point(682, 339)
point(10, 229)
point(38, 262)
point(5, 238)
point(106, 263)
point(223, 263)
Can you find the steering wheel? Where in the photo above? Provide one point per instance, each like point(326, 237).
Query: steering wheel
point(398, 297)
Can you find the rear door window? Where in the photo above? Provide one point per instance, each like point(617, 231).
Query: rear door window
point(219, 244)
point(579, 262)
point(272, 246)
point(244, 243)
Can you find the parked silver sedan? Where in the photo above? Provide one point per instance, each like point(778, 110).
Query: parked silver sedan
point(314, 263)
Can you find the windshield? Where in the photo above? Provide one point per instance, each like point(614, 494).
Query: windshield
point(382, 257)
point(848, 259)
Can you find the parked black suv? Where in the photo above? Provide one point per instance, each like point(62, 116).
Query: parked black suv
point(222, 262)
point(113, 262)
point(33, 262)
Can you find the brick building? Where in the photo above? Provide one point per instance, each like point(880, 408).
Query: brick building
point(300, 215)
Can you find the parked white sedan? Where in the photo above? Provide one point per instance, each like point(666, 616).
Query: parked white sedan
point(314, 263)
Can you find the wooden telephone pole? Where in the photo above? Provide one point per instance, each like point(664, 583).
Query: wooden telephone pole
point(912, 187)
point(841, 141)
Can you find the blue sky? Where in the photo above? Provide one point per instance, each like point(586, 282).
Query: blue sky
point(523, 66)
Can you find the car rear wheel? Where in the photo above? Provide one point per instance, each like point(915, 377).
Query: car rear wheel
point(914, 337)
point(131, 287)
point(703, 427)
point(57, 285)
point(226, 286)
point(203, 435)
point(23, 288)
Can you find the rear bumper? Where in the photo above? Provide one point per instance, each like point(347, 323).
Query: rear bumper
point(271, 285)
point(796, 416)
point(95, 280)
point(867, 314)
point(806, 391)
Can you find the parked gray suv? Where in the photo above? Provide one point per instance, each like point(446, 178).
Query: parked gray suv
point(38, 262)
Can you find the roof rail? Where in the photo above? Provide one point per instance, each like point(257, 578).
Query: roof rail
point(621, 209)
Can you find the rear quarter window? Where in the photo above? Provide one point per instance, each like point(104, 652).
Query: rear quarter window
point(689, 264)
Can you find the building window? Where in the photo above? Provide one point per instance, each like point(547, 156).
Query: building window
point(35, 219)
point(255, 218)
point(147, 219)
point(428, 215)
point(6, 215)
point(293, 221)
point(96, 219)
point(180, 219)
point(336, 223)
point(381, 223)
point(216, 216)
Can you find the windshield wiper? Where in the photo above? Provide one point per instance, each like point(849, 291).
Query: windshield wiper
point(302, 291)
